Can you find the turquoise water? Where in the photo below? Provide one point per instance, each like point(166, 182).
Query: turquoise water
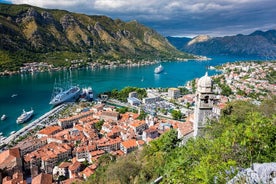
point(34, 90)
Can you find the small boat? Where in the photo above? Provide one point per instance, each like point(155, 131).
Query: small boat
point(14, 95)
point(13, 132)
point(1, 133)
point(158, 69)
point(25, 116)
point(3, 117)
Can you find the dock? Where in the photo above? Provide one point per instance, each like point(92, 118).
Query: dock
point(42, 120)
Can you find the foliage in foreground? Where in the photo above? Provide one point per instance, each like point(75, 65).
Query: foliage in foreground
point(245, 134)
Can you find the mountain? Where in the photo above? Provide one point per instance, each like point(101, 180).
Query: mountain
point(29, 33)
point(258, 44)
point(178, 42)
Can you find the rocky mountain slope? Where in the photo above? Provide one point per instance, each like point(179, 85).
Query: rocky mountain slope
point(258, 44)
point(27, 33)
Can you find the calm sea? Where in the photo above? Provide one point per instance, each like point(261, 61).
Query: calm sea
point(35, 90)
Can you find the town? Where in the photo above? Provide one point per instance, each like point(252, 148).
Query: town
point(67, 147)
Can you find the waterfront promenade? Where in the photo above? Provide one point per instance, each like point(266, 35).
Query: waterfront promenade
point(42, 120)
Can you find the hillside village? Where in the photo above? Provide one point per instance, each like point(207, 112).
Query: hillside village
point(69, 148)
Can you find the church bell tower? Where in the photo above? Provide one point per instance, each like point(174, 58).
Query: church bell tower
point(204, 103)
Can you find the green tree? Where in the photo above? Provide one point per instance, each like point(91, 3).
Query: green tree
point(99, 125)
point(142, 115)
point(124, 171)
point(176, 114)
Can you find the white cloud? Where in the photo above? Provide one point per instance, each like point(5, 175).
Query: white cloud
point(184, 15)
point(63, 4)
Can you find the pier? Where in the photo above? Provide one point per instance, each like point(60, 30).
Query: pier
point(42, 120)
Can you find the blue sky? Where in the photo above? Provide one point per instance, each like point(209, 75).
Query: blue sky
point(177, 17)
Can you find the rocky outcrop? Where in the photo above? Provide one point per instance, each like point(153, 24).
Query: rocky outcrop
point(199, 39)
point(259, 173)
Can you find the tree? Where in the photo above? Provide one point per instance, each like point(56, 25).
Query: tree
point(99, 125)
point(142, 115)
point(124, 170)
point(176, 114)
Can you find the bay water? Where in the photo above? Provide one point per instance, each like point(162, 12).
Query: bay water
point(35, 90)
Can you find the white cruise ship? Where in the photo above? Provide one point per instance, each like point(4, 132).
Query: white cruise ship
point(70, 94)
point(25, 116)
point(159, 69)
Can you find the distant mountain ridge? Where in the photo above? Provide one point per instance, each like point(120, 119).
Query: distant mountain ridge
point(27, 33)
point(259, 44)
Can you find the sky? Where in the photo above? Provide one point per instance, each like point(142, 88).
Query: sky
point(177, 17)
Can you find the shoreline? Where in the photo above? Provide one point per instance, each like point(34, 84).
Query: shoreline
point(37, 67)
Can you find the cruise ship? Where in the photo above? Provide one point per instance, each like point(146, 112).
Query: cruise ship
point(159, 69)
point(70, 94)
point(25, 116)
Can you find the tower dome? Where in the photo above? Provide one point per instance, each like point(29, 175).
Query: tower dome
point(205, 83)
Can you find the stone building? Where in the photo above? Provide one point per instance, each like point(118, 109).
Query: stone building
point(204, 103)
point(10, 161)
point(174, 93)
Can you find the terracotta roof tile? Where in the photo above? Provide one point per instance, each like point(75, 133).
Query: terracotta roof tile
point(186, 128)
point(42, 179)
point(73, 167)
point(50, 130)
point(64, 164)
point(129, 143)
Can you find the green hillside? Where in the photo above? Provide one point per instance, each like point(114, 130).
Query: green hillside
point(30, 34)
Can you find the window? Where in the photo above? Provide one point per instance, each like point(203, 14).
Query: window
point(206, 99)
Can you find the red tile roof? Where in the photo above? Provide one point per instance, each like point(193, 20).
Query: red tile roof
point(7, 157)
point(129, 143)
point(75, 166)
point(42, 179)
point(50, 130)
point(88, 171)
point(185, 128)
point(72, 180)
point(64, 164)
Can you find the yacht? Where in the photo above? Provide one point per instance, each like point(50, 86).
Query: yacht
point(13, 132)
point(158, 69)
point(3, 117)
point(25, 116)
point(87, 93)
